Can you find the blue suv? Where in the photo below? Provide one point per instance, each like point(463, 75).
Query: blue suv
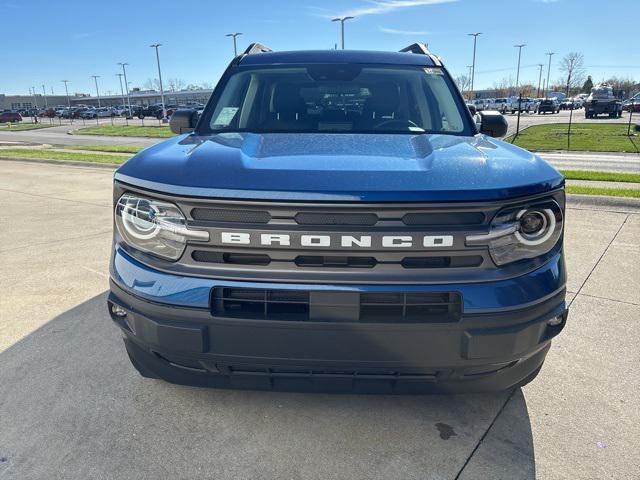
point(338, 221)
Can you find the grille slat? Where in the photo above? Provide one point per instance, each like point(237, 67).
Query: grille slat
point(300, 305)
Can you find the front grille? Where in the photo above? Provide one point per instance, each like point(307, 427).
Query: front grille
point(338, 306)
point(358, 219)
point(231, 216)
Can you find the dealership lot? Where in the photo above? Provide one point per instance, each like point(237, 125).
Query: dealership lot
point(72, 407)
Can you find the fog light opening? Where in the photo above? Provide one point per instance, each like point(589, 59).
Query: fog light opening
point(118, 311)
point(555, 321)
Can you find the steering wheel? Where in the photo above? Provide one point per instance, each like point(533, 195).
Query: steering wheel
point(397, 122)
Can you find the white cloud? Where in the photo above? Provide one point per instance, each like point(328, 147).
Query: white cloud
point(403, 32)
point(377, 7)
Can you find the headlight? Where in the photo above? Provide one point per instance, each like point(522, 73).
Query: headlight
point(154, 226)
point(522, 232)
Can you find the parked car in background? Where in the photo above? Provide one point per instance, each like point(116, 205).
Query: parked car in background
point(480, 104)
point(549, 105)
point(524, 104)
point(501, 104)
point(632, 105)
point(88, 113)
point(154, 111)
point(10, 117)
point(104, 112)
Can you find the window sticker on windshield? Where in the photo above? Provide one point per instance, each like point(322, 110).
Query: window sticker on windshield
point(433, 71)
point(225, 116)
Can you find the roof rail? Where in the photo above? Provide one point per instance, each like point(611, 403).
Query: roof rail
point(256, 48)
point(421, 49)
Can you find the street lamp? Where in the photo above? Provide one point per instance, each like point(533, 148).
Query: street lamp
point(473, 64)
point(235, 48)
point(469, 80)
point(67, 92)
point(342, 20)
point(124, 103)
point(44, 94)
point(540, 65)
point(95, 79)
point(519, 47)
point(32, 91)
point(126, 86)
point(164, 112)
point(551, 54)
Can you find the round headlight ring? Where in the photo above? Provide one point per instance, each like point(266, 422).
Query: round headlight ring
point(548, 221)
point(133, 219)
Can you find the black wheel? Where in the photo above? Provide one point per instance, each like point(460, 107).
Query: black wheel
point(141, 116)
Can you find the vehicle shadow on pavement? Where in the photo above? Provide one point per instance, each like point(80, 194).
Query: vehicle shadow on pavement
point(71, 406)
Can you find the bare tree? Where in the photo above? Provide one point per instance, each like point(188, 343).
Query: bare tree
point(463, 82)
point(572, 65)
point(206, 85)
point(176, 84)
point(152, 84)
point(504, 87)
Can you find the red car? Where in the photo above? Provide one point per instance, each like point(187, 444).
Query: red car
point(632, 105)
point(10, 117)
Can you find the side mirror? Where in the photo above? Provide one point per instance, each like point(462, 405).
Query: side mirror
point(493, 123)
point(183, 121)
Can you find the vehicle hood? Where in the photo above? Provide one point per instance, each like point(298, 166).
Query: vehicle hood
point(338, 167)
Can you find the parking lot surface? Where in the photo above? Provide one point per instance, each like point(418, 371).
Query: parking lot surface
point(72, 407)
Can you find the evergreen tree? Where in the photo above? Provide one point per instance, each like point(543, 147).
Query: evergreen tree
point(588, 85)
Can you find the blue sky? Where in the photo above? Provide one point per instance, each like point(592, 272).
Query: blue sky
point(47, 41)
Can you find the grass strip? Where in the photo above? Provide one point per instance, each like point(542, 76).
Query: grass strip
point(598, 137)
point(609, 192)
point(52, 154)
point(601, 176)
point(127, 131)
point(18, 127)
point(107, 148)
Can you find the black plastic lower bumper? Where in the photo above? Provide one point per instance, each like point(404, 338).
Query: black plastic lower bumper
point(482, 352)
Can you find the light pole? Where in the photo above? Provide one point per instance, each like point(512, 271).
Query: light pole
point(235, 47)
point(551, 54)
point(164, 112)
point(67, 92)
point(473, 63)
point(95, 79)
point(126, 86)
point(519, 47)
point(469, 81)
point(32, 91)
point(44, 94)
point(540, 65)
point(341, 20)
point(124, 103)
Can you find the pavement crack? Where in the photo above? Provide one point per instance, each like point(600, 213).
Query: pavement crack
point(54, 198)
point(599, 259)
point(79, 237)
point(610, 299)
point(484, 435)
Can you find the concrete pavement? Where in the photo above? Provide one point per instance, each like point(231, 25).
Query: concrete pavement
point(71, 406)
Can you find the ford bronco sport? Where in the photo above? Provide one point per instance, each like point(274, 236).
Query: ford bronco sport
point(338, 221)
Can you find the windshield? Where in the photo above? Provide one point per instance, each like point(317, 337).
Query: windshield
point(337, 98)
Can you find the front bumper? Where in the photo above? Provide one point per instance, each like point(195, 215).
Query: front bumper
point(500, 341)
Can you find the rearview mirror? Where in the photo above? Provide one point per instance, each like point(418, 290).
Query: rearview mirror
point(183, 121)
point(493, 123)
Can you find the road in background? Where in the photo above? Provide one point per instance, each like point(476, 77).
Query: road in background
point(71, 405)
point(58, 136)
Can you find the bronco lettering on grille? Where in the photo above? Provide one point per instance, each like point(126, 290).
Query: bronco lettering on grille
point(344, 241)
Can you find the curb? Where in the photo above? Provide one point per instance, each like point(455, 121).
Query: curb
point(603, 202)
point(75, 163)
